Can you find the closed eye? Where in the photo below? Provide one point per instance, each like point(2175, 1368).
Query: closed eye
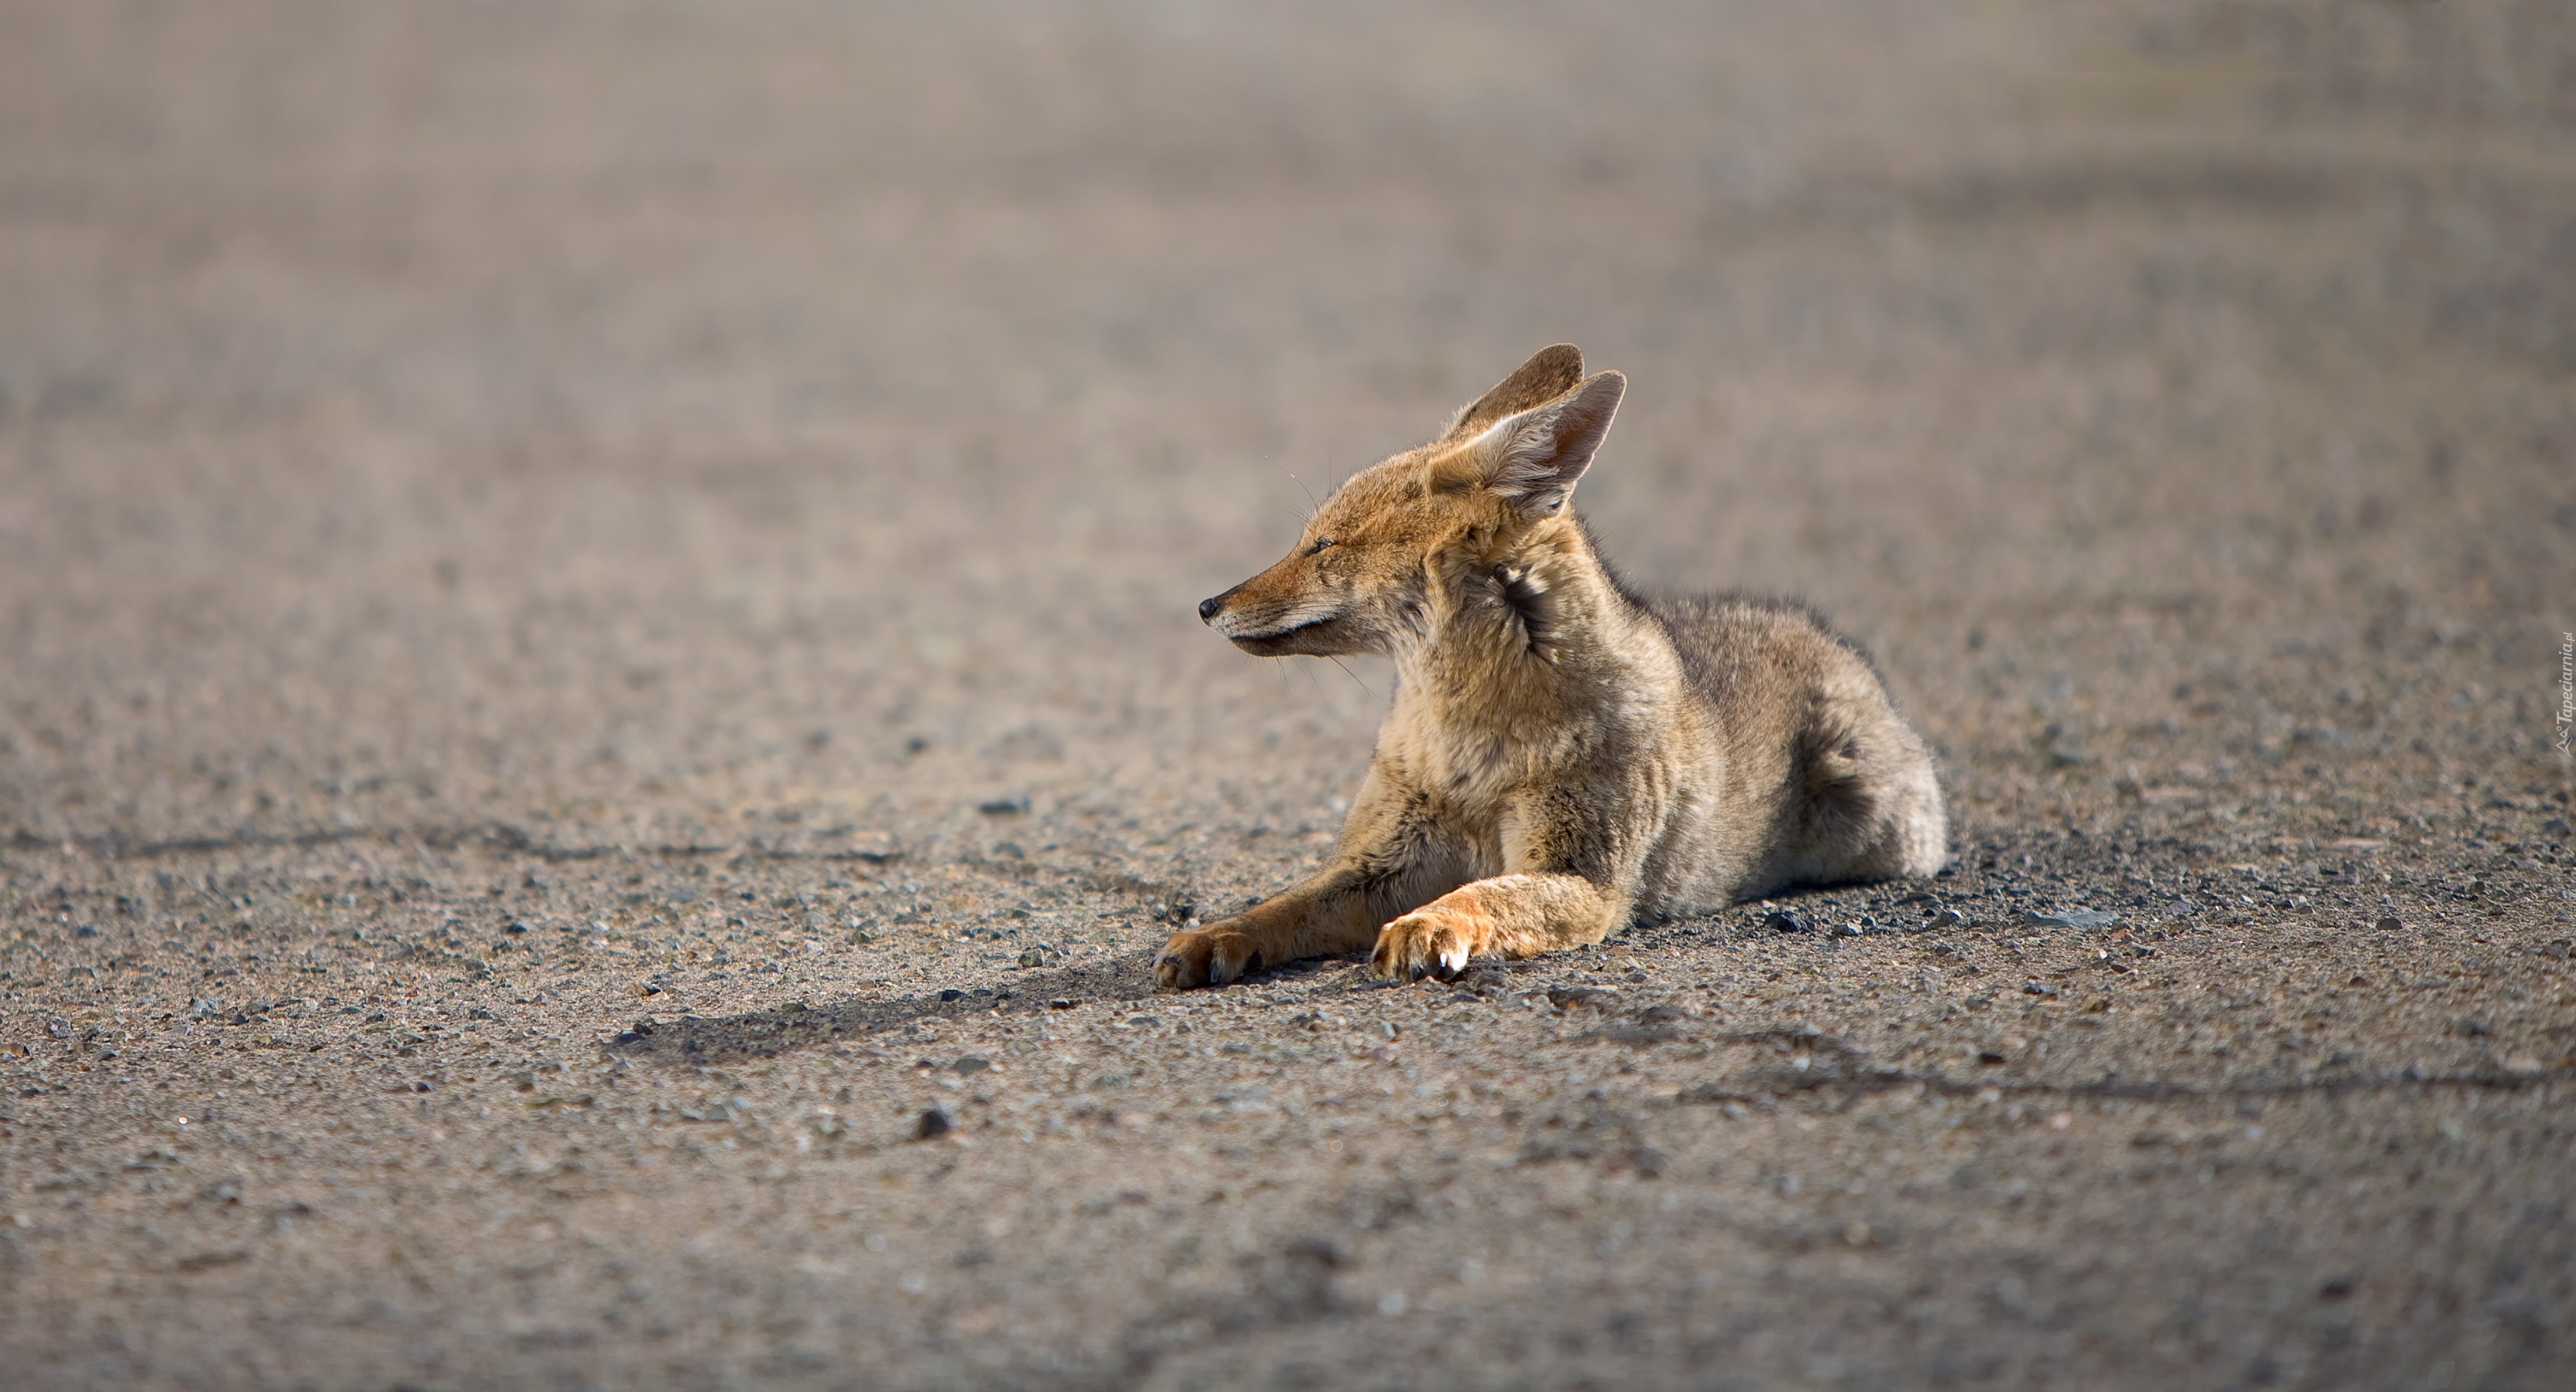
point(1320, 544)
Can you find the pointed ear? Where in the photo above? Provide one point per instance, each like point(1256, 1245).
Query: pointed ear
point(1543, 378)
point(1533, 458)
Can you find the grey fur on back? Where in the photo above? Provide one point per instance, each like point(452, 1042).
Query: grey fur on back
point(1799, 706)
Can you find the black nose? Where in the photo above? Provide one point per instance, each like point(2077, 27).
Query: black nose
point(1208, 608)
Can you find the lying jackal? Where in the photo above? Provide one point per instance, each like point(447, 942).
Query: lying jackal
point(1563, 755)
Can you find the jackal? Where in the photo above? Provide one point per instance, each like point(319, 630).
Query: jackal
point(1562, 755)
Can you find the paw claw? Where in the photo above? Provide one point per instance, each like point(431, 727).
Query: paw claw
point(1211, 956)
point(1435, 940)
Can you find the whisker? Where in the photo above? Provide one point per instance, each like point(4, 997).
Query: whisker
point(1354, 676)
point(1310, 679)
point(1311, 504)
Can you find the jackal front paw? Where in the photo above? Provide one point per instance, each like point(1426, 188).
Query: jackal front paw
point(1210, 956)
point(1434, 940)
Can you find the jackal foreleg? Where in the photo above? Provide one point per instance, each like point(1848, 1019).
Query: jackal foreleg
point(1506, 916)
point(1572, 853)
point(1391, 857)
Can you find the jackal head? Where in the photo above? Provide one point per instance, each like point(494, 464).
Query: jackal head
point(1357, 579)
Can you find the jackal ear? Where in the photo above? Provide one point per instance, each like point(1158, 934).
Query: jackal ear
point(1533, 458)
point(1543, 378)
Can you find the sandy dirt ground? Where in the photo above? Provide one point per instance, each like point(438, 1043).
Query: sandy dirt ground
point(596, 634)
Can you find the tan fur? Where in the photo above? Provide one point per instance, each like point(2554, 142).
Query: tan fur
point(1561, 757)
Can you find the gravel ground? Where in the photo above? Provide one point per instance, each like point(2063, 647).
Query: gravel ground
point(601, 715)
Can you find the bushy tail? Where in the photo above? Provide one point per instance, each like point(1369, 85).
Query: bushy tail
point(1833, 774)
point(1871, 812)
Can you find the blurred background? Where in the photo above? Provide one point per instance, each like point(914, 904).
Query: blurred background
point(633, 421)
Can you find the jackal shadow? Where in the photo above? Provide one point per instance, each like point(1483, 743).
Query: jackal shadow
point(1127, 977)
point(768, 1033)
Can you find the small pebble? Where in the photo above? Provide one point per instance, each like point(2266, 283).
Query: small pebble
point(934, 1123)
